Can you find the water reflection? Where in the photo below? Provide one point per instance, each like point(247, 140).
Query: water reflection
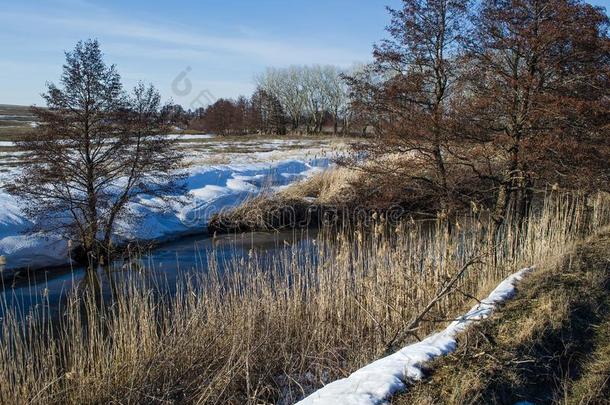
point(48, 288)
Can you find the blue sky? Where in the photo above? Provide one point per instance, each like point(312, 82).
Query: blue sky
point(217, 45)
point(223, 42)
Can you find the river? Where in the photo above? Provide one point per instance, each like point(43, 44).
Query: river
point(167, 262)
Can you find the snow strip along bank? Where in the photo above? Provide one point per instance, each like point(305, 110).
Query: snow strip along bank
point(378, 381)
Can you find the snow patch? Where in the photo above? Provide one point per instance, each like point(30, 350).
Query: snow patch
point(185, 137)
point(378, 381)
point(210, 189)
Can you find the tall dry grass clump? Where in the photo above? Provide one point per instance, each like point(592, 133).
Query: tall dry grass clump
point(270, 329)
point(330, 186)
point(298, 205)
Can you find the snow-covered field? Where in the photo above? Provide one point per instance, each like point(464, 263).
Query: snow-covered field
point(221, 173)
point(378, 381)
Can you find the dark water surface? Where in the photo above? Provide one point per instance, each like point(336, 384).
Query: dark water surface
point(165, 263)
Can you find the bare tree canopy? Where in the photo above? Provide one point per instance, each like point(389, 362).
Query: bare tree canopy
point(96, 150)
point(485, 103)
point(308, 95)
point(408, 91)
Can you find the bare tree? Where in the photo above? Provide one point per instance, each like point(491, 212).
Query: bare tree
point(267, 114)
point(308, 93)
point(408, 91)
point(287, 86)
point(316, 98)
point(538, 86)
point(337, 98)
point(96, 151)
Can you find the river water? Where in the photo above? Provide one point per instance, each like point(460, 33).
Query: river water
point(166, 262)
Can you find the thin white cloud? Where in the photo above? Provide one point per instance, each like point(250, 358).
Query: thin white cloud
point(222, 61)
point(156, 52)
point(186, 41)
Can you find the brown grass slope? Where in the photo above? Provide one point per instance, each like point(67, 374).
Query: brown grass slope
point(551, 344)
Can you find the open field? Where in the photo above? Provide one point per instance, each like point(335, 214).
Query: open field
point(15, 121)
point(263, 332)
point(259, 148)
point(203, 149)
point(200, 149)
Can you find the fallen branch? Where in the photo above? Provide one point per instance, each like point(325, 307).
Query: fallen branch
point(444, 291)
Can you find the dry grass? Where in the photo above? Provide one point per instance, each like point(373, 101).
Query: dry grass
point(271, 332)
point(13, 133)
point(306, 203)
point(593, 386)
point(548, 345)
point(329, 187)
point(267, 211)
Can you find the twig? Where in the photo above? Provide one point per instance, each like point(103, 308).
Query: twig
point(447, 289)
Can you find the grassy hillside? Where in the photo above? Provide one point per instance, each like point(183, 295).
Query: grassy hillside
point(551, 344)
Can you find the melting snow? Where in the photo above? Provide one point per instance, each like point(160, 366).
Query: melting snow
point(211, 189)
point(378, 381)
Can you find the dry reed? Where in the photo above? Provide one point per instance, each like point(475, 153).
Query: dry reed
point(270, 331)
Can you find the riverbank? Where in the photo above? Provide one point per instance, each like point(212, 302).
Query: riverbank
point(326, 197)
point(209, 189)
point(264, 330)
point(550, 344)
point(335, 195)
point(212, 184)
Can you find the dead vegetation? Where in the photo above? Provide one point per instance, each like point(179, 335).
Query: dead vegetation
point(549, 345)
point(330, 187)
point(261, 331)
point(335, 195)
point(324, 197)
point(267, 211)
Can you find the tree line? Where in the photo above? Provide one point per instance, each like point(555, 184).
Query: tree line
point(303, 99)
point(262, 113)
point(484, 103)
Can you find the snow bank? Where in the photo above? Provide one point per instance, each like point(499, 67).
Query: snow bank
point(378, 381)
point(210, 188)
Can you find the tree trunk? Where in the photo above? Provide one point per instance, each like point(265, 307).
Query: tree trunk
point(336, 125)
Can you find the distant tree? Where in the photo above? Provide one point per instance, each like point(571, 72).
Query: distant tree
point(286, 86)
point(96, 151)
point(267, 113)
point(316, 97)
point(222, 117)
point(175, 115)
point(335, 88)
point(239, 123)
point(361, 116)
point(198, 113)
point(308, 95)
